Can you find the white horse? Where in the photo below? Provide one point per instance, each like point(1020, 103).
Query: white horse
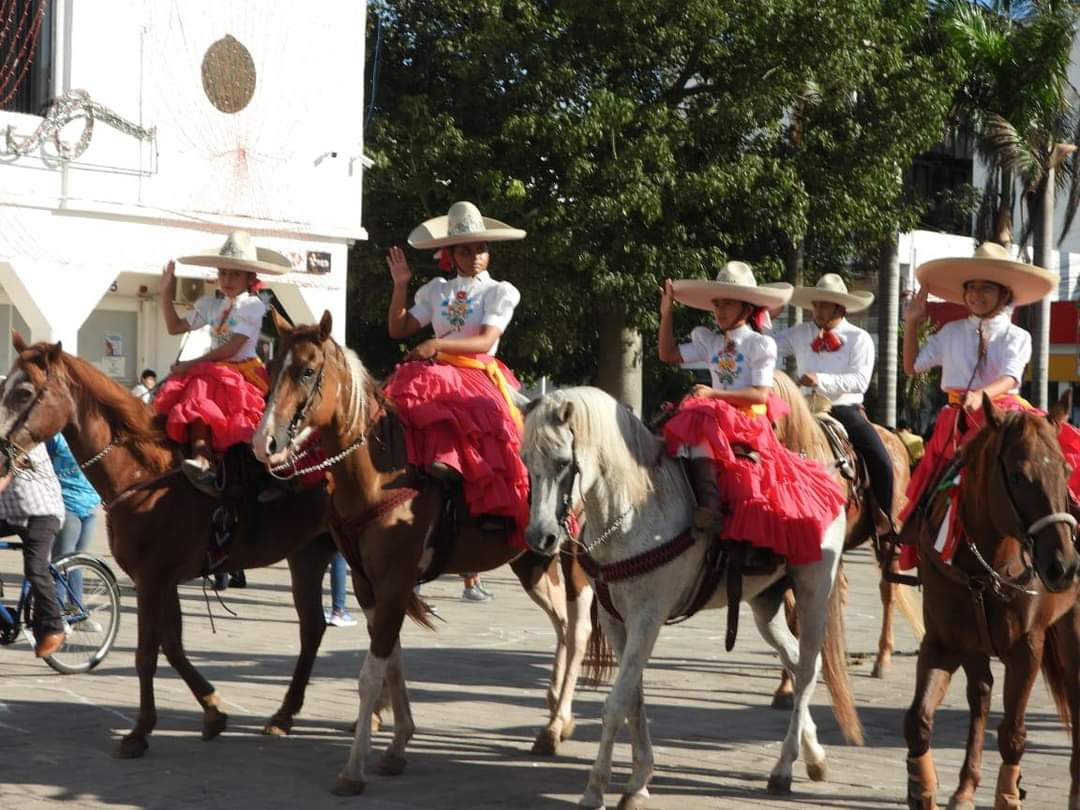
point(580, 444)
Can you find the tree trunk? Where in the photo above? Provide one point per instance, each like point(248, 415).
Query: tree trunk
point(620, 357)
point(1043, 239)
point(888, 308)
point(793, 275)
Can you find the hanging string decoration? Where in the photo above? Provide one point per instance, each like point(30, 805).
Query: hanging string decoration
point(18, 43)
point(72, 106)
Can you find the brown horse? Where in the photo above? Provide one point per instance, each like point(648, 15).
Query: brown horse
point(802, 433)
point(1010, 591)
point(159, 525)
point(389, 523)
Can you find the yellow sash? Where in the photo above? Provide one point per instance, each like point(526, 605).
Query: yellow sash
point(249, 369)
point(957, 398)
point(494, 373)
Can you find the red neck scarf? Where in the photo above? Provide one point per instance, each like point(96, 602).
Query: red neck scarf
point(826, 341)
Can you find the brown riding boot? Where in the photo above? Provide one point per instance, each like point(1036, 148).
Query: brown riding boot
point(708, 517)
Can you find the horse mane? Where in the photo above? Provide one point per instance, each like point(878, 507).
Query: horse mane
point(128, 416)
point(799, 430)
point(626, 452)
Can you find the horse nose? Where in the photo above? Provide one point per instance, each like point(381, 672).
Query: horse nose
point(272, 445)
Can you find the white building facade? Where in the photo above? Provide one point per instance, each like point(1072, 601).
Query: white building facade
point(171, 124)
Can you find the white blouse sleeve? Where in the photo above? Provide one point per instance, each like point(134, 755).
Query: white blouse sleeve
point(200, 312)
point(699, 349)
point(1017, 352)
point(247, 317)
point(931, 354)
point(499, 303)
point(784, 345)
point(761, 358)
point(423, 308)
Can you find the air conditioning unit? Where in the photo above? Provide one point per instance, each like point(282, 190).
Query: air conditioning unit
point(189, 290)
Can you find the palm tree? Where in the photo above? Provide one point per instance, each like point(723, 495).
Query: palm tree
point(1018, 100)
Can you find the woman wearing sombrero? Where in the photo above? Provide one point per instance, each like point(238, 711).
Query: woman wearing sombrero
point(217, 399)
point(984, 353)
point(453, 396)
point(773, 498)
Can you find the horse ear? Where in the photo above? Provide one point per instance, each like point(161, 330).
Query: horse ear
point(566, 412)
point(1061, 410)
point(52, 354)
point(530, 406)
point(326, 323)
point(18, 342)
point(991, 411)
point(281, 323)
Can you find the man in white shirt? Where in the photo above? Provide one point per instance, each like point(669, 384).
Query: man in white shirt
point(836, 359)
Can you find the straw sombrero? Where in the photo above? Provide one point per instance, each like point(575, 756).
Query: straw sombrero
point(945, 278)
point(239, 253)
point(735, 281)
point(461, 225)
point(832, 289)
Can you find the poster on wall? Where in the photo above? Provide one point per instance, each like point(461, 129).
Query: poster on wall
point(114, 366)
point(114, 344)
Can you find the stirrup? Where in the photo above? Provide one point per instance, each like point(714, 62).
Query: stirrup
point(443, 473)
point(202, 478)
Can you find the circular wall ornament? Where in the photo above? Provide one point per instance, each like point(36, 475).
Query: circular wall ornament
point(228, 75)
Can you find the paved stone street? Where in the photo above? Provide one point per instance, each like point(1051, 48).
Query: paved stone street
point(478, 700)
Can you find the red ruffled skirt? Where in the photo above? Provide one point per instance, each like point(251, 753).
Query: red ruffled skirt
point(227, 397)
point(458, 417)
point(947, 438)
point(783, 501)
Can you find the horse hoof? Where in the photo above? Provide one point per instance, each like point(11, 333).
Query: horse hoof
point(784, 701)
point(632, 801)
point(376, 723)
point(567, 730)
point(916, 800)
point(880, 670)
point(961, 804)
point(348, 787)
point(818, 771)
point(779, 785)
point(214, 724)
point(546, 743)
point(131, 748)
point(273, 729)
point(391, 764)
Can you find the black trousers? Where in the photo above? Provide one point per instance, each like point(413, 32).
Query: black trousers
point(868, 444)
point(37, 537)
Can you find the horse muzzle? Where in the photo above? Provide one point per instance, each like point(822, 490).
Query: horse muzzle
point(541, 541)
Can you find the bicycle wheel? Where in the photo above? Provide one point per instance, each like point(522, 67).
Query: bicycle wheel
point(92, 617)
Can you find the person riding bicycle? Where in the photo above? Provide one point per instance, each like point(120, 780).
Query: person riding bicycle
point(32, 508)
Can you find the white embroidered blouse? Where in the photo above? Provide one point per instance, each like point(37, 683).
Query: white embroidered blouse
point(462, 306)
point(226, 317)
point(955, 347)
point(739, 358)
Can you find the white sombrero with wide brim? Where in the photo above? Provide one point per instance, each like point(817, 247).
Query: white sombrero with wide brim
point(831, 289)
point(239, 253)
point(462, 224)
point(735, 281)
point(945, 278)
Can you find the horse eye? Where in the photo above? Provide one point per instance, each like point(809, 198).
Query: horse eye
point(1017, 477)
point(309, 373)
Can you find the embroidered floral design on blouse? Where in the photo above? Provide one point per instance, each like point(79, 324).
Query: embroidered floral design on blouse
point(728, 362)
point(457, 308)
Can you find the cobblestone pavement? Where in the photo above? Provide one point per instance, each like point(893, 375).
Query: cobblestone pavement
point(477, 692)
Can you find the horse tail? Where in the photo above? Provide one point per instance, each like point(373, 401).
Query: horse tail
point(910, 612)
point(1056, 673)
point(417, 611)
point(835, 670)
point(600, 660)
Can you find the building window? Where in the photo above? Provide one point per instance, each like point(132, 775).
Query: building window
point(26, 56)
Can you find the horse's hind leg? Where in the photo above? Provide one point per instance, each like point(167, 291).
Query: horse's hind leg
point(147, 609)
point(1067, 633)
point(1022, 664)
point(172, 621)
point(979, 683)
point(578, 613)
point(784, 696)
point(885, 641)
point(307, 567)
point(933, 673)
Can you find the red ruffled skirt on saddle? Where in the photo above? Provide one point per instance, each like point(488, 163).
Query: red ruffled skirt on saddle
point(782, 501)
point(947, 438)
point(458, 417)
point(228, 397)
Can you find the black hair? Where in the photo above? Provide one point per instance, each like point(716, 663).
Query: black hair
point(148, 372)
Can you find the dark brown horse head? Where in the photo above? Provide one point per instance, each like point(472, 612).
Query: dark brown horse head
point(313, 381)
point(1019, 486)
point(35, 402)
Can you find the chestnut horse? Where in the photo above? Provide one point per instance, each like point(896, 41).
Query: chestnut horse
point(1010, 591)
point(159, 525)
point(386, 520)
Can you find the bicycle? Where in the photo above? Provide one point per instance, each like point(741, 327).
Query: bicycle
point(90, 601)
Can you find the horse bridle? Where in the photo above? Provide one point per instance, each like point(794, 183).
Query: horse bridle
point(11, 449)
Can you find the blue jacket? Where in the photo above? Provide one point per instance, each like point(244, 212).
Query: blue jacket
point(80, 497)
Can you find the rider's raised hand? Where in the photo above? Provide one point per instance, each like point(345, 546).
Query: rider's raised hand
point(916, 308)
point(399, 268)
point(168, 276)
point(667, 297)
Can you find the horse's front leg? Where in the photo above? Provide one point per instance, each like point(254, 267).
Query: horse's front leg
point(392, 762)
point(933, 672)
point(148, 610)
point(979, 684)
point(1022, 663)
point(632, 644)
point(784, 696)
point(307, 567)
point(172, 623)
